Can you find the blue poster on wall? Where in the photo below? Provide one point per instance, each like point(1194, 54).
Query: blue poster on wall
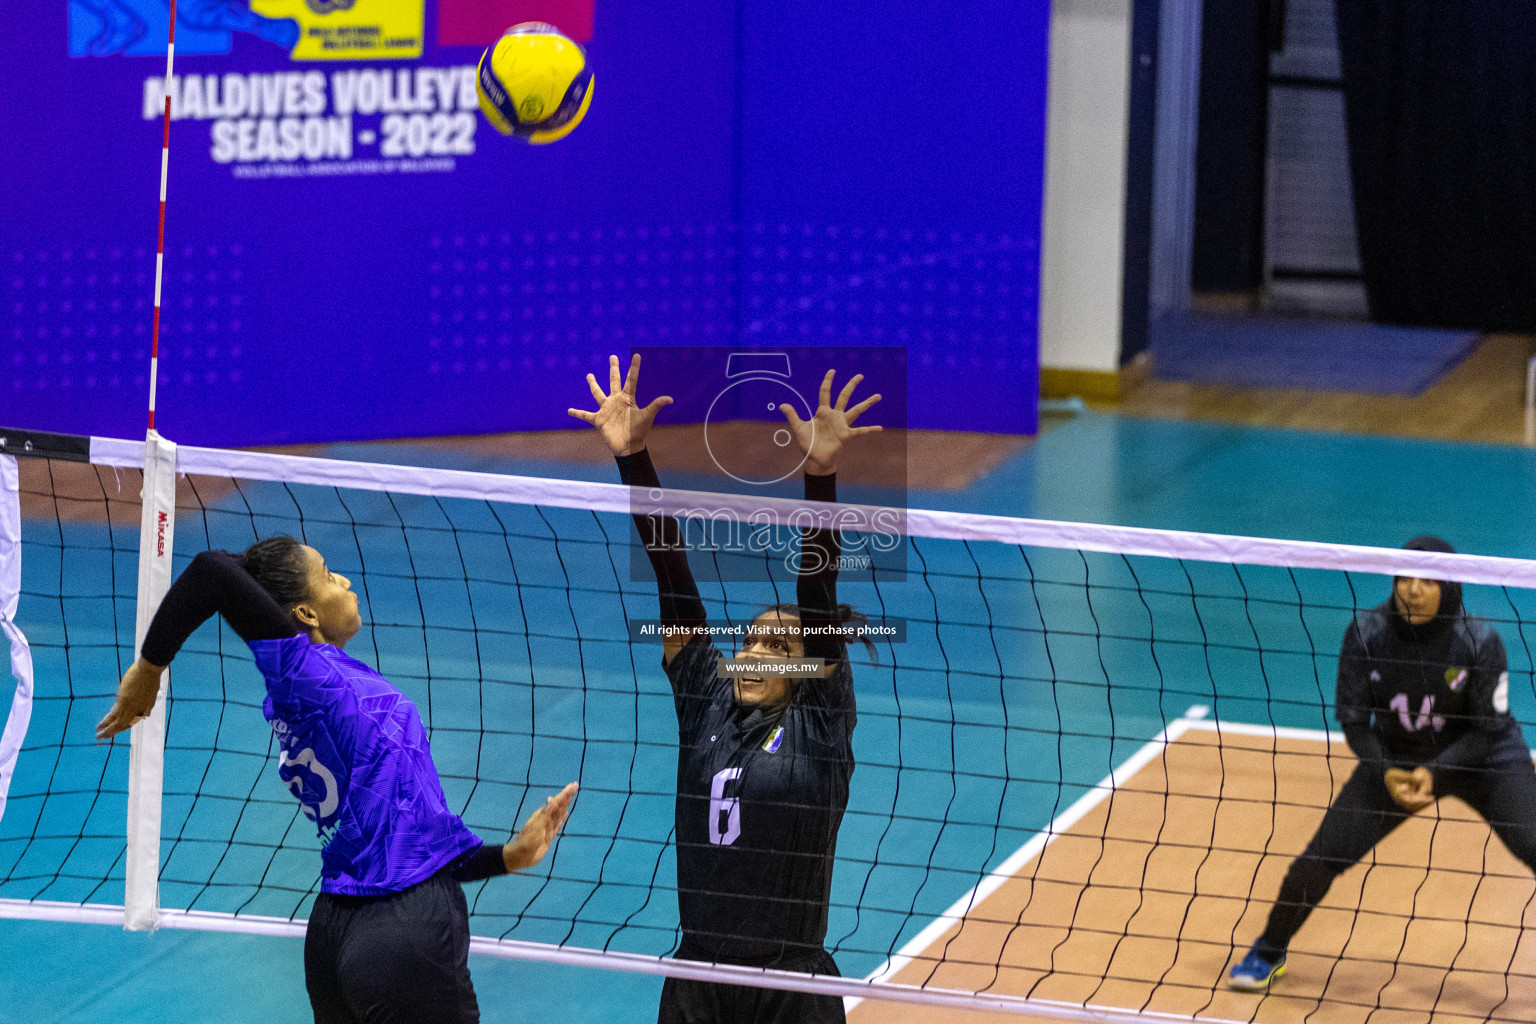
point(352, 251)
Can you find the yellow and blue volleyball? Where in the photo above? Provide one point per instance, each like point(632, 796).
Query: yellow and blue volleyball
point(534, 83)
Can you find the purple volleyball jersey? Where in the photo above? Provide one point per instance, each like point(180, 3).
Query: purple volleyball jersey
point(356, 755)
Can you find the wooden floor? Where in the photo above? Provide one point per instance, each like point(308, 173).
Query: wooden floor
point(1482, 400)
point(1143, 903)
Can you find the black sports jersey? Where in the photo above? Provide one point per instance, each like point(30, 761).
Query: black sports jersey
point(760, 791)
point(760, 797)
point(1436, 693)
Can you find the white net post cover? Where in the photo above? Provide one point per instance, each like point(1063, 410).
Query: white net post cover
point(146, 762)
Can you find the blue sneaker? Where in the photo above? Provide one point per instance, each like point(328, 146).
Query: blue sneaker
point(1254, 973)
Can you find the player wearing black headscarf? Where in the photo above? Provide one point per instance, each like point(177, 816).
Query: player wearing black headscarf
point(763, 762)
point(1423, 696)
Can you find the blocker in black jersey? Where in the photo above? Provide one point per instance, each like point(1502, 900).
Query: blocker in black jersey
point(763, 764)
point(760, 797)
point(1431, 697)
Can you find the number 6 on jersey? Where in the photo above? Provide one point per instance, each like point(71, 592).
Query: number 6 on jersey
point(724, 811)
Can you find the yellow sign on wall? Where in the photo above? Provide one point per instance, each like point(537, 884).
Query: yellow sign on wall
point(351, 29)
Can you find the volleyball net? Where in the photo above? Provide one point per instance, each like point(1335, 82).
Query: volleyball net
point(1085, 754)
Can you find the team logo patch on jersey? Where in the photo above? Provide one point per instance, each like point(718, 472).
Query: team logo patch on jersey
point(1455, 678)
point(771, 744)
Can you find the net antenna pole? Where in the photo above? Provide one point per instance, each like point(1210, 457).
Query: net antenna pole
point(157, 527)
point(165, 168)
point(13, 645)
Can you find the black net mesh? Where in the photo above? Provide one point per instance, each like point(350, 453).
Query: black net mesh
point(1027, 675)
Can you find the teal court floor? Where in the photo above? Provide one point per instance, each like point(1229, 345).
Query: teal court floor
point(1009, 699)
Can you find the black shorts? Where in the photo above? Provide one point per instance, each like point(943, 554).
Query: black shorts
point(402, 958)
point(705, 1002)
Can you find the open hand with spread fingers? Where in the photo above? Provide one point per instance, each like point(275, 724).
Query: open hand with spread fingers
point(619, 418)
point(823, 435)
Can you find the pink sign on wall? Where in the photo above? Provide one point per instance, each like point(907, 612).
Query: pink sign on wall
point(481, 22)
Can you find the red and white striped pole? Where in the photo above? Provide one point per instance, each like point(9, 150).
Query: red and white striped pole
point(165, 166)
point(157, 533)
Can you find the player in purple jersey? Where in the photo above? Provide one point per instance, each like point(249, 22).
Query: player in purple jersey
point(388, 939)
point(764, 760)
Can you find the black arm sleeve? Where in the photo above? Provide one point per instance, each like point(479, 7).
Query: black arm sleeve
point(215, 583)
point(1469, 750)
point(663, 540)
point(816, 584)
point(484, 861)
point(1362, 739)
point(1352, 702)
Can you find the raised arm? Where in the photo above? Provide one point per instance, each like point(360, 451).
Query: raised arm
point(624, 426)
point(681, 607)
point(822, 439)
point(816, 583)
point(215, 583)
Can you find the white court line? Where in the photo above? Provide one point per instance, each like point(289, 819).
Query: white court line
point(936, 929)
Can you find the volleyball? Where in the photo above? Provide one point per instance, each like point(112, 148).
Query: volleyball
point(534, 83)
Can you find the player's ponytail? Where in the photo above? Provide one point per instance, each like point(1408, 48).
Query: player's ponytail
point(277, 564)
point(846, 614)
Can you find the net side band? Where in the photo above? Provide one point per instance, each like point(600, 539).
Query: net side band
point(42, 445)
point(599, 497)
